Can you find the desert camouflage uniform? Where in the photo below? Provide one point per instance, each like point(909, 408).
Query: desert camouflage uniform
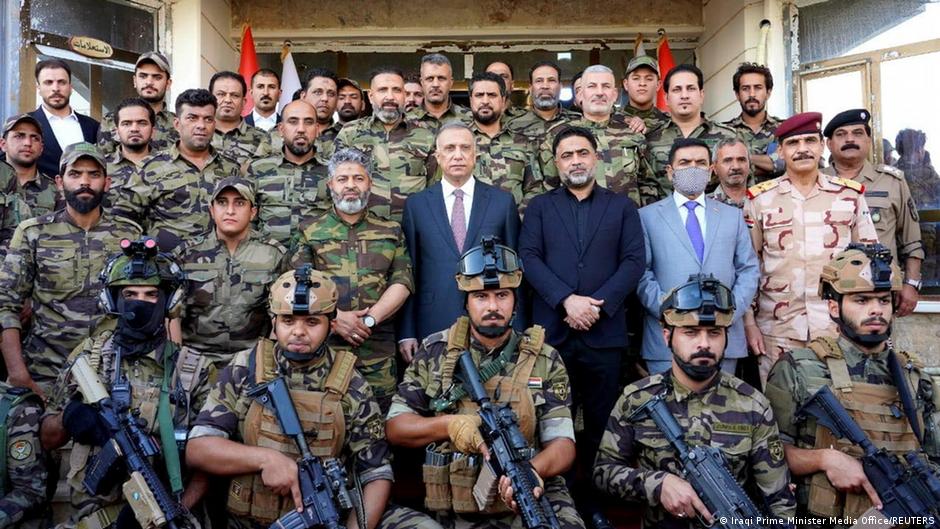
point(170, 195)
point(226, 304)
point(164, 133)
point(652, 118)
point(622, 165)
point(243, 143)
point(506, 161)
point(363, 259)
point(24, 485)
point(634, 458)
point(719, 195)
point(660, 141)
point(454, 112)
point(757, 142)
point(794, 237)
point(289, 196)
point(54, 264)
point(549, 389)
point(893, 210)
point(402, 161)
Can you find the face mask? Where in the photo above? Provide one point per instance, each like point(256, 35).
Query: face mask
point(140, 324)
point(690, 181)
point(696, 372)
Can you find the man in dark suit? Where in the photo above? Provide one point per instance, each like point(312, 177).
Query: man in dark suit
point(582, 249)
point(442, 222)
point(61, 126)
point(265, 92)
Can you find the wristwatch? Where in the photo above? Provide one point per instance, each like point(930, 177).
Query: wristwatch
point(369, 321)
point(916, 283)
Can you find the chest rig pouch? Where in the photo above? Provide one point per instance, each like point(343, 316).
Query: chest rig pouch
point(449, 476)
point(319, 411)
point(878, 409)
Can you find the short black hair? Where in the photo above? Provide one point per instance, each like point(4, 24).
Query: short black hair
point(569, 131)
point(134, 102)
point(576, 77)
point(487, 76)
point(267, 72)
point(551, 64)
point(196, 97)
point(53, 64)
point(691, 68)
point(511, 71)
point(387, 69)
point(226, 74)
point(313, 73)
point(751, 67)
point(413, 77)
point(682, 143)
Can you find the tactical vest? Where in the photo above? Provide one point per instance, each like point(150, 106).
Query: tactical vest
point(878, 411)
point(449, 486)
point(321, 415)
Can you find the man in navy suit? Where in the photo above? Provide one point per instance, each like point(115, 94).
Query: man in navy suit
point(687, 234)
point(582, 249)
point(442, 222)
point(61, 126)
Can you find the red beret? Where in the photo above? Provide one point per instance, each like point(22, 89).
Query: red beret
point(805, 123)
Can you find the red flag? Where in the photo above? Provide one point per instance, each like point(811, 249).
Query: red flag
point(666, 63)
point(247, 66)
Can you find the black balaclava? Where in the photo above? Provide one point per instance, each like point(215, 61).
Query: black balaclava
point(141, 324)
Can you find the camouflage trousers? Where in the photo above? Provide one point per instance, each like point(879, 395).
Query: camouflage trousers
point(558, 496)
point(381, 375)
point(395, 517)
point(775, 346)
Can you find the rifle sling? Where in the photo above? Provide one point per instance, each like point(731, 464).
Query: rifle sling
point(488, 370)
point(171, 455)
point(904, 391)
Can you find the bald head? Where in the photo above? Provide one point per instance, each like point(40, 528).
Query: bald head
point(298, 127)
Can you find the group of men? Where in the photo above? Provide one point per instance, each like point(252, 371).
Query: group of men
point(186, 259)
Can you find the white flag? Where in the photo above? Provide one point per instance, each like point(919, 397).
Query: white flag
point(290, 81)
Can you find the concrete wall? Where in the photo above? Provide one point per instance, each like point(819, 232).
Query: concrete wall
point(203, 25)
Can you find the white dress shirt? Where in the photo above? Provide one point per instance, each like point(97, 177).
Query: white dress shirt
point(684, 212)
point(67, 130)
point(449, 198)
point(264, 123)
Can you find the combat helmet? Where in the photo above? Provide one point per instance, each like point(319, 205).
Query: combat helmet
point(860, 268)
point(488, 266)
point(701, 302)
point(303, 291)
point(140, 263)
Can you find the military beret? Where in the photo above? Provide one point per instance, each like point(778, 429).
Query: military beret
point(240, 185)
point(19, 118)
point(856, 116)
point(154, 57)
point(80, 150)
point(642, 61)
point(805, 123)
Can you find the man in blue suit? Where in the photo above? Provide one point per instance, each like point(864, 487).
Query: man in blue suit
point(582, 250)
point(687, 234)
point(442, 222)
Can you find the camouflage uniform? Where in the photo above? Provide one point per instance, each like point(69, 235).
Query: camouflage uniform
point(328, 135)
point(243, 143)
point(652, 118)
point(170, 195)
point(120, 169)
point(634, 458)
point(225, 309)
point(289, 196)
point(533, 127)
point(549, 389)
point(454, 112)
point(621, 166)
point(892, 209)
point(757, 142)
point(660, 141)
point(719, 195)
point(794, 236)
point(402, 160)
point(164, 133)
point(363, 259)
point(40, 193)
point(24, 485)
point(54, 264)
point(506, 161)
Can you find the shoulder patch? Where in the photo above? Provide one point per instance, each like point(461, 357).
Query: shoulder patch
point(755, 190)
point(851, 184)
point(20, 450)
point(893, 171)
point(775, 448)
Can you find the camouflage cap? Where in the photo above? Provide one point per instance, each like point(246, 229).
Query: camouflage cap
point(345, 81)
point(316, 293)
point(701, 302)
point(13, 121)
point(80, 150)
point(488, 266)
point(860, 268)
point(241, 186)
point(154, 57)
point(642, 61)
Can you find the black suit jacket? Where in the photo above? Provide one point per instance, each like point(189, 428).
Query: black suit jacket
point(608, 268)
point(51, 150)
point(250, 119)
point(437, 303)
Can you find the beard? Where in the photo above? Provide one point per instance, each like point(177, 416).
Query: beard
point(387, 115)
point(578, 179)
point(545, 102)
point(299, 150)
point(83, 205)
point(347, 113)
point(752, 111)
point(350, 206)
point(486, 119)
point(496, 328)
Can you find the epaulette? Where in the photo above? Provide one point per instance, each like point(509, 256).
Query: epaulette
point(826, 347)
point(435, 337)
point(910, 358)
point(893, 171)
point(755, 190)
point(738, 385)
point(48, 218)
point(646, 383)
point(845, 182)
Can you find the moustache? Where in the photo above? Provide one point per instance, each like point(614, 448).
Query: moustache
point(703, 353)
point(876, 319)
point(493, 316)
point(849, 146)
point(735, 172)
point(751, 100)
point(803, 157)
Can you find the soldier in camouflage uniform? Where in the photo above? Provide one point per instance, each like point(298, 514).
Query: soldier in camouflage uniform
point(321, 92)
point(732, 168)
point(290, 185)
point(683, 86)
point(134, 120)
point(889, 198)
point(621, 152)
point(546, 111)
point(437, 78)
point(519, 369)
point(233, 137)
point(641, 82)
point(53, 264)
point(883, 390)
point(228, 272)
point(151, 81)
point(234, 436)
point(505, 159)
point(170, 194)
point(400, 149)
point(797, 223)
point(504, 71)
point(366, 257)
point(23, 484)
point(753, 84)
point(143, 288)
point(637, 462)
